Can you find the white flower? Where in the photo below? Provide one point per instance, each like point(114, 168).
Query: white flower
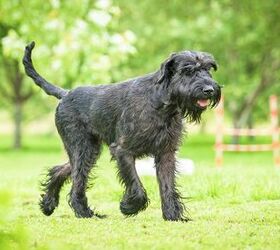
point(130, 36)
point(60, 49)
point(56, 65)
point(117, 39)
point(115, 10)
point(54, 24)
point(75, 45)
point(124, 42)
point(79, 29)
point(126, 48)
point(103, 4)
point(13, 45)
point(99, 17)
point(103, 63)
point(55, 4)
point(81, 25)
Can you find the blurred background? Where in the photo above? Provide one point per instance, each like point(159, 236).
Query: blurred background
point(87, 42)
point(94, 42)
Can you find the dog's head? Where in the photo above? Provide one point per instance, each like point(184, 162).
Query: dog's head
point(186, 75)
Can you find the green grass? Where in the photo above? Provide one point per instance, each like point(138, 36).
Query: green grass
point(236, 207)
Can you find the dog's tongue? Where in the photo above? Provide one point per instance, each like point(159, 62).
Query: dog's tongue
point(203, 102)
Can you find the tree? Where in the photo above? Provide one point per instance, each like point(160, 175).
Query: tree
point(88, 41)
point(80, 38)
point(243, 36)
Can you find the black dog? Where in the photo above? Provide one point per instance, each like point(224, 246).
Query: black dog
point(135, 118)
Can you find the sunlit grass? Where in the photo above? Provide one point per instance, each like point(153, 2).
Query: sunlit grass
point(235, 207)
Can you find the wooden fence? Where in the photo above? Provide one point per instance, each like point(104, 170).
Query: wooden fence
point(272, 131)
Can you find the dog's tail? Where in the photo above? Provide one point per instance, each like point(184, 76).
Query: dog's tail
point(49, 88)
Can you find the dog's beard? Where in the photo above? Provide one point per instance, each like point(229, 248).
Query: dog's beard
point(187, 104)
point(191, 113)
point(192, 102)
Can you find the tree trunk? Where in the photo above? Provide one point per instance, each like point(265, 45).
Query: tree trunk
point(16, 95)
point(17, 124)
point(267, 80)
point(242, 115)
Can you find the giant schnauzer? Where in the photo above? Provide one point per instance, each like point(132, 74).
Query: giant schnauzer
point(138, 117)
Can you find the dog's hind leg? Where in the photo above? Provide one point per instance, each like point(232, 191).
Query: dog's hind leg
point(52, 186)
point(83, 150)
point(135, 198)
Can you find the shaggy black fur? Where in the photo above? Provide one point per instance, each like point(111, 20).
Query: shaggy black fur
point(136, 118)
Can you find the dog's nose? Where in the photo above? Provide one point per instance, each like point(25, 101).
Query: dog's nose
point(208, 90)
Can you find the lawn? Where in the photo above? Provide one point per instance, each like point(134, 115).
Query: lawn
point(236, 207)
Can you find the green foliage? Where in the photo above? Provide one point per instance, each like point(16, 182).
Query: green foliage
point(77, 43)
point(89, 42)
point(242, 35)
point(105, 41)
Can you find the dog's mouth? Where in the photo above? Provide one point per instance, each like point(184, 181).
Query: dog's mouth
point(203, 103)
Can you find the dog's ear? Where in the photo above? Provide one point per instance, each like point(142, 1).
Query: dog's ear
point(213, 64)
point(166, 69)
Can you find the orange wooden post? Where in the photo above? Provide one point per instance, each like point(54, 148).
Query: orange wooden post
point(275, 130)
point(219, 133)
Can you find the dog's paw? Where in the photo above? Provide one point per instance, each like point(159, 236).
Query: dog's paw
point(132, 206)
point(180, 218)
point(88, 213)
point(48, 204)
point(177, 214)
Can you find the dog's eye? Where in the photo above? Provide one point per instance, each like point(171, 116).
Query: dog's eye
point(188, 69)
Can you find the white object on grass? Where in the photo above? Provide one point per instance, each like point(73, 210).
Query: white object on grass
point(146, 166)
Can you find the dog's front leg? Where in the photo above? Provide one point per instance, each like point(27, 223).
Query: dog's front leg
point(171, 204)
point(135, 198)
